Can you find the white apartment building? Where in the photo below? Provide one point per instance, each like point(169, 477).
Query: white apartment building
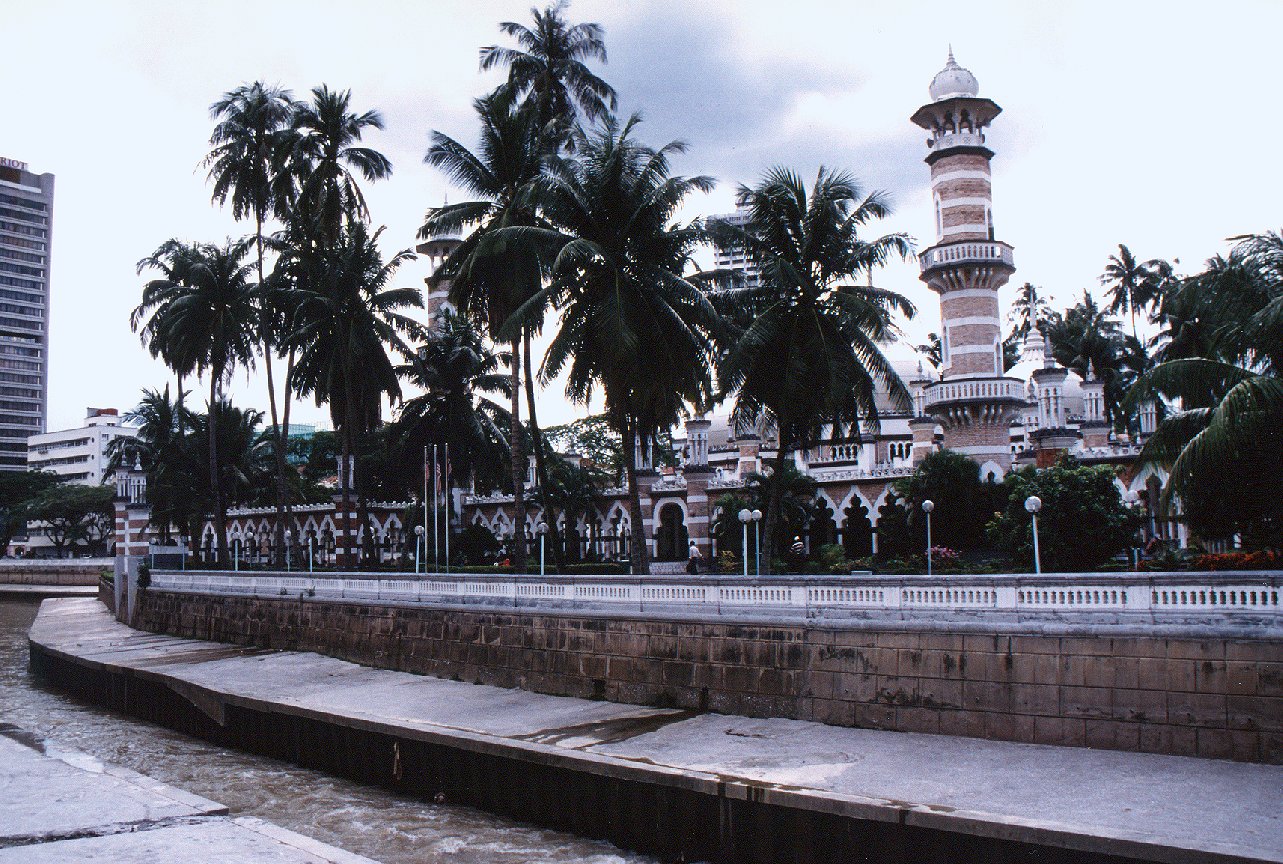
point(734, 258)
point(79, 455)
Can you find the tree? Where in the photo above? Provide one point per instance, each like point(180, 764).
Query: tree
point(458, 373)
point(249, 144)
point(202, 319)
point(347, 319)
point(593, 439)
point(811, 357)
point(963, 502)
point(1132, 284)
point(1229, 417)
point(69, 514)
point(17, 489)
point(548, 67)
point(324, 152)
point(631, 323)
point(1086, 337)
point(490, 279)
point(1029, 310)
point(164, 449)
point(1083, 522)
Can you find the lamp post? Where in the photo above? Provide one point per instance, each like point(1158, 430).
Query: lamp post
point(756, 516)
point(289, 541)
point(1130, 501)
point(745, 515)
point(418, 541)
point(1033, 504)
point(311, 540)
point(927, 506)
point(543, 534)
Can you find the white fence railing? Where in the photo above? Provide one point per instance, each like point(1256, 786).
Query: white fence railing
point(1234, 595)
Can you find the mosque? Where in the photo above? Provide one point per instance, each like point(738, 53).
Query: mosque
point(1027, 415)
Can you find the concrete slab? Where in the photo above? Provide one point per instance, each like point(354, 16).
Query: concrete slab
point(63, 805)
point(242, 840)
point(1161, 808)
point(10, 590)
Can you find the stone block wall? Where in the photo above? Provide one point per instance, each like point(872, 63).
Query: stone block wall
point(1218, 698)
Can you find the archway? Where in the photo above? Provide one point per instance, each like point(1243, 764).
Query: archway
point(670, 534)
point(857, 531)
point(824, 529)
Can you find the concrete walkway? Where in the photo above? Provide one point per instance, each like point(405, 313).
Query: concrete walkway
point(63, 805)
point(1160, 808)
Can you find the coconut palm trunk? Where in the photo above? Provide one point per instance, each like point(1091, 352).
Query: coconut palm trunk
point(776, 492)
point(516, 447)
point(220, 512)
point(640, 552)
point(541, 468)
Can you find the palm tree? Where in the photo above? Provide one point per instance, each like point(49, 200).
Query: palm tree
point(548, 67)
point(631, 323)
point(1087, 336)
point(1132, 284)
point(491, 279)
point(457, 372)
point(324, 152)
point(162, 448)
point(1230, 411)
point(202, 320)
point(348, 317)
point(812, 356)
point(1030, 309)
point(248, 147)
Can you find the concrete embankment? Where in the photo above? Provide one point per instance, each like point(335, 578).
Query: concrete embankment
point(71, 577)
point(62, 805)
point(676, 783)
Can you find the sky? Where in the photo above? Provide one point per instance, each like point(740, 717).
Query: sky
point(1153, 125)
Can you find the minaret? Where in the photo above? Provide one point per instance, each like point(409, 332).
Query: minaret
point(973, 402)
point(437, 248)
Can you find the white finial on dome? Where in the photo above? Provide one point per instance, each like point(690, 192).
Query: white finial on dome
point(953, 81)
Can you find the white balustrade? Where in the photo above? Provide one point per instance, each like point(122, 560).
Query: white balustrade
point(1136, 598)
point(970, 252)
point(1006, 389)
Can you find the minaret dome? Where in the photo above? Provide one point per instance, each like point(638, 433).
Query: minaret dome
point(952, 81)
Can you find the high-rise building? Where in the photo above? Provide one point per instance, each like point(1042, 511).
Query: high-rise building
point(734, 259)
point(26, 226)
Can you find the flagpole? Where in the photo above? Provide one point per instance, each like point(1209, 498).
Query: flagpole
point(436, 519)
point(449, 506)
point(425, 506)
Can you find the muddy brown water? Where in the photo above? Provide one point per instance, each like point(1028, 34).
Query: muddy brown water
point(358, 818)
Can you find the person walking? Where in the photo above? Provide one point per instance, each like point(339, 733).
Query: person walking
point(693, 557)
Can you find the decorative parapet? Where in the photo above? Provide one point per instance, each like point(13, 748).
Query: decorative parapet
point(881, 471)
point(988, 252)
point(975, 390)
point(1140, 600)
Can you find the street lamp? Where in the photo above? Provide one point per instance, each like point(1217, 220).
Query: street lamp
point(756, 516)
point(927, 506)
point(745, 515)
point(289, 537)
point(543, 533)
point(418, 541)
point(311, 539)
point(1033, 504)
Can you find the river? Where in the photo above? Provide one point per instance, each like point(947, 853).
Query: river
point(361, 819)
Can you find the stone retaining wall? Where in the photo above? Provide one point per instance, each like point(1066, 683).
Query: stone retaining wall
point(1219, 698)
point(70, 571)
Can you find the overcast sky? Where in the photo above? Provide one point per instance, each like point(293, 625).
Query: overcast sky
point(1154, 125)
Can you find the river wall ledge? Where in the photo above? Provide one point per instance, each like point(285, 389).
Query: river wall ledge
point(1193, 681)
point(680, 785)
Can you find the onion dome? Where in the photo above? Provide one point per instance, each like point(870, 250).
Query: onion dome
point(953, 81)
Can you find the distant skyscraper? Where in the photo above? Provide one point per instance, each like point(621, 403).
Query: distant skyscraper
point(735, 258)
point(26, 226)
